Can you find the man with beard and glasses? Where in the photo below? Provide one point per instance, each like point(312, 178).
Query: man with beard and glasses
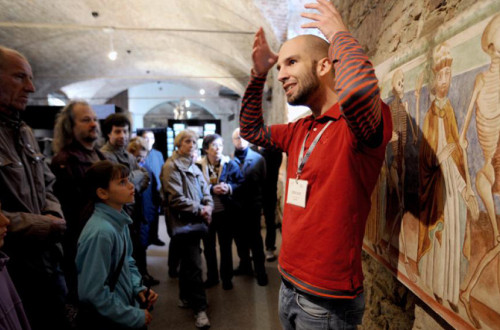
point(75, 135)
point(35, 215)
point(334, 159)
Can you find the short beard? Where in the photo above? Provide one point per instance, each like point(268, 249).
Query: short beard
point(90, 139)
point(309, 85)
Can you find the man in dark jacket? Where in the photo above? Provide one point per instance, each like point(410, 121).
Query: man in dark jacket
point(154, 162)
point(75, 135)
point(36, 218)
point(249, 197)
point(270, 193)
point(116, 131)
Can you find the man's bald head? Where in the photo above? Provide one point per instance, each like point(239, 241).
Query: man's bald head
point(16, 81)
point(306, 47)
point(5, 53)
point(315, 46)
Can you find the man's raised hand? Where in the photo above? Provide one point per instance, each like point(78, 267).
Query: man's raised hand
point(263, 57)
point(328, 21)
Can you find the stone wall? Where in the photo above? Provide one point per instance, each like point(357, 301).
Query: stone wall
point(390, 305)
point(385, 27)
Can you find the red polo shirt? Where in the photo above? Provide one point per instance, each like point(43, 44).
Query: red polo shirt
point(321, 246)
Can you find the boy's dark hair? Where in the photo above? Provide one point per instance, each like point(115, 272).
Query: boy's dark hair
point(100, 174)
point(207, 141)
point(115, 119)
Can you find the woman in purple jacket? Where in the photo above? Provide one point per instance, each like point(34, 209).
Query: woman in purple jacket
point(12, 316)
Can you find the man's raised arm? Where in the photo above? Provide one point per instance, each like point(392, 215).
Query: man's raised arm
point(356, 84)
point(252, 126)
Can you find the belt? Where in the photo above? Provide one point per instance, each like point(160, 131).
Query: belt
point(288, 284)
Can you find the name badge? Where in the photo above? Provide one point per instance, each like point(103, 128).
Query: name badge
point(297, 191)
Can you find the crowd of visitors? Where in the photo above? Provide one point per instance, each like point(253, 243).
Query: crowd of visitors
point(103, 205)
point(78, 229)
point(84, 222)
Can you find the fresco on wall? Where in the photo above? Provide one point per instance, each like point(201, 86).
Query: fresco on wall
point(435, 215)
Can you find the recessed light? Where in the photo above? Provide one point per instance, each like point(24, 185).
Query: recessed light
point(112, 55)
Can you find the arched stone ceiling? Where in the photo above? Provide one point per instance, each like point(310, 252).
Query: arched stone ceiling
point(192, 41)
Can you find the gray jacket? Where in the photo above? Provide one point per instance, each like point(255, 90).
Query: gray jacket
point(26, 182)
point(185, 191)
point(26, 195)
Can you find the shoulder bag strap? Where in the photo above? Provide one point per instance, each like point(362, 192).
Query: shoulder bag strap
point(113, 279)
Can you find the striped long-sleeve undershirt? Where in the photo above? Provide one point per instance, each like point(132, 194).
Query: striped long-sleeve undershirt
point(252, 126)
point(356, 86)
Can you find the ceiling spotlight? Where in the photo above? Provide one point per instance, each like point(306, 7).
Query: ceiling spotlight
point(112, 55)
point(202, 91)
point(187, 103)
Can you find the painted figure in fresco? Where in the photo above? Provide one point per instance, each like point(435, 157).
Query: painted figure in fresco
point(377, 216)
point(443, 191)
point(400, 119)
point(486, 99)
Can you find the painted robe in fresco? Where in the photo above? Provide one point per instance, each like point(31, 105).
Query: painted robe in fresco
point(442, 209)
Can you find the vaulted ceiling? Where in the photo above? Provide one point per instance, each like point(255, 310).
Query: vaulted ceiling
point(193, 42)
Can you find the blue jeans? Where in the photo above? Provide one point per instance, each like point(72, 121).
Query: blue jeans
point(306, 312)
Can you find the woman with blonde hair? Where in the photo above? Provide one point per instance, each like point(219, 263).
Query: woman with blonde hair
point(188, 212)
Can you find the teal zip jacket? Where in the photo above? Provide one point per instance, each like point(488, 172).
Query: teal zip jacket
point(100, 248)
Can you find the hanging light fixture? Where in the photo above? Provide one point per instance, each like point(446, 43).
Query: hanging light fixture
point(180, 110)
point(112, 55)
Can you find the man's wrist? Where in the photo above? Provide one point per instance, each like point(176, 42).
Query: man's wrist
point(254, 73)
point(332, 39)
